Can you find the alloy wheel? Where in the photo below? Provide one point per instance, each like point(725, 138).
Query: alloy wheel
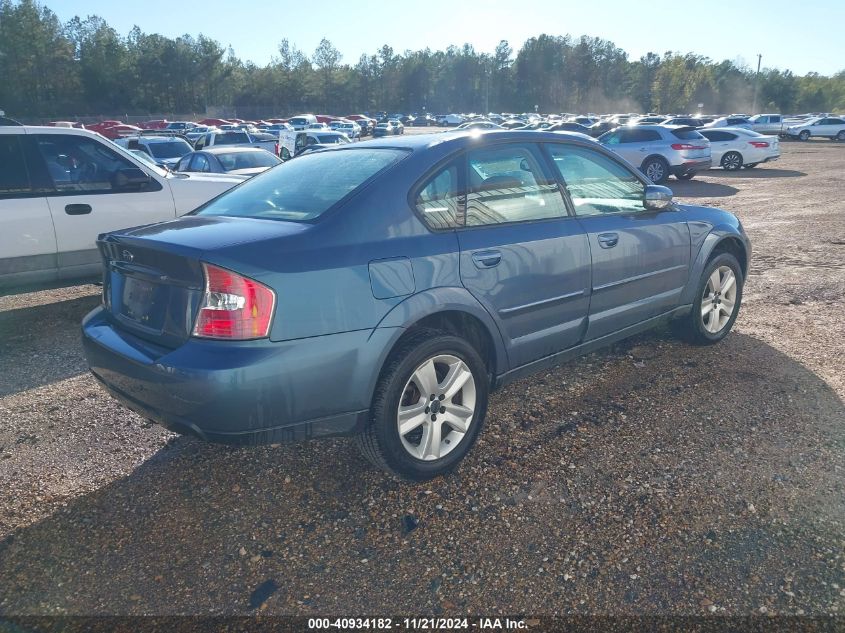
point(732, 161)
point(655, 171)
point(718, 301)
point(437, 407)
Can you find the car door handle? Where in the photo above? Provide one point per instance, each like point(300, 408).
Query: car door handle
point(486, 259)
point(643, 149)
point(608, 240)
point(78, 209)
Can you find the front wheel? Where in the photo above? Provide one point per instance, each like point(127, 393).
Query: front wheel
point(656, 169)
point(841, 136)
point(717, 304)
point(805, 135)
point(428, 408)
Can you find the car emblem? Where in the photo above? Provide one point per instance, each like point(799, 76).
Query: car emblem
point(127, 256)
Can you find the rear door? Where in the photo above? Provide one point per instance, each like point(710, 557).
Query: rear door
point(720, 143)
point(27, 238)
point(640, 257)
point(522, 256)
point(88, 197)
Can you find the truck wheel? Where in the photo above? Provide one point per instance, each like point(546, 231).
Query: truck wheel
point(656, 169)
point(732, 161)
point(717, 304)
point(428, 408)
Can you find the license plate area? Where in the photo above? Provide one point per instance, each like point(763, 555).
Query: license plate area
point(143, 302)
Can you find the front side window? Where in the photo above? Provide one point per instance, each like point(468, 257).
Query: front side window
point(201, 163)
point(597, 184)
point(437, 200)
point(507, 184)
point(80, 163)
point(302, 190)
point(14, 178)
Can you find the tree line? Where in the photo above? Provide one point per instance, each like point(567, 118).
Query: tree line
point(84, 67)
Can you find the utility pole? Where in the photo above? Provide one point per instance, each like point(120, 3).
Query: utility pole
point(756, 81)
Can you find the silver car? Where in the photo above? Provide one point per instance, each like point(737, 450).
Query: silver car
point(661, 150)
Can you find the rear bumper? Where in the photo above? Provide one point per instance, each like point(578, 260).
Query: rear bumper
point(691, 166)
point(251, 392)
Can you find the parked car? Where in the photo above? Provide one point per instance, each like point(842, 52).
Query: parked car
point(424, 120)
point(732, 148)
point(384, 129)
point(330, 137)
point(826, 127)
point(597, 129)
point(200, 130)
point(729, 121)
point(66, 124)
point(479, 125)
point(114, 129)
point(164, 150)
point(648, 120)
point(767, 123)
point(661, 150)
point(154, 124)
point(569, 126)
point(240, 161)
point(319, 275)
point(349, 128)
point(237, 138)
point(685, 120)
point(302, 121)
point(448, 120)
point(61, 187)
point(214, 122)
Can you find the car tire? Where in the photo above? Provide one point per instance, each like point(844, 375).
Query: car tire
point(423, 362)
point(804, 135)
point(656, 169)
point(686, 175)
point(841, 136)
point(731, 161)
point(698, 327)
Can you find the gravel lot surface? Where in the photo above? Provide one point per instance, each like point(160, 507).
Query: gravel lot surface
point(653, 478)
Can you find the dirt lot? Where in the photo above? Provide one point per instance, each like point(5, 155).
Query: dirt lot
point(653, 478)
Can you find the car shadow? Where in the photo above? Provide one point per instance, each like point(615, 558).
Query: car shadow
point(677, 442)
point(41, 343)
point(701, 189)
point(760, 172)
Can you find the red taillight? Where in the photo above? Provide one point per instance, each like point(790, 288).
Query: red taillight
point(759, 143)
point(687, 146)
point(233, 307)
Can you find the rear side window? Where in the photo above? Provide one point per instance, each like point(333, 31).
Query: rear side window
point(716, 136)
point(14, 177)
point(301, 190)
point(687, 135)
point(507, 184)
point(437, 200)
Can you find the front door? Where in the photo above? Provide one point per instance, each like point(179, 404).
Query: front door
point(88, 198)
point(522, 257)
point(640, 257)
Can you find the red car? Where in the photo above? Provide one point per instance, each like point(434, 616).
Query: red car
point(155, 124)
point(117, 131)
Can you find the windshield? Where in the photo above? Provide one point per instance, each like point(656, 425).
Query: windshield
point(302, 190)
point(176, 148)
point(247, 160)
point(231, 138)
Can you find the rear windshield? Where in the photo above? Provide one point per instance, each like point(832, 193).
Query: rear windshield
point(231, 138)
point(303, 189)
point(686, 135)
point(247, 160)
point(176, 148)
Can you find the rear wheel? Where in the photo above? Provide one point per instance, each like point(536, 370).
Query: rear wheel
point(731, 161)
point(841, 136)
point(429, 406)
point(804, 135)
point(656, 169)
point(717, 304)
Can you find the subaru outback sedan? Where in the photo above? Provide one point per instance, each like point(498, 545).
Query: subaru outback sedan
point(383, 289)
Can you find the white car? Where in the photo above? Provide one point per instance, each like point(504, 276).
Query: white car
point(828, 127)
point(729, 121)
point(733, 148)
point(350, 128)
point(767, 123)
point(61, 187)
point(450, 119)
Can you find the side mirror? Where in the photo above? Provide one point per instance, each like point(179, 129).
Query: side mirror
point(130, 178)
point(657, 197)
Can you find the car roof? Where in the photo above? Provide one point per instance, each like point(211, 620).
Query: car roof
point(466, 138)
point(46, 129)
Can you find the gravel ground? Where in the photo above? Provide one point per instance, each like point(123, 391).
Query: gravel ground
point(653, 478)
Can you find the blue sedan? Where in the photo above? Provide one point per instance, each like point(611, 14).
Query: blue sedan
point(383, 289)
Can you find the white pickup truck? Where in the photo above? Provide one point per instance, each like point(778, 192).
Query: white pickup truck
point(767, 123)
point(61, 187)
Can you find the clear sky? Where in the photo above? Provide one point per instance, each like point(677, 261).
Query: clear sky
point(801, 36)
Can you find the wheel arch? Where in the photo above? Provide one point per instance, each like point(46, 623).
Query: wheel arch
point(721, 239)
point(658, 157)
